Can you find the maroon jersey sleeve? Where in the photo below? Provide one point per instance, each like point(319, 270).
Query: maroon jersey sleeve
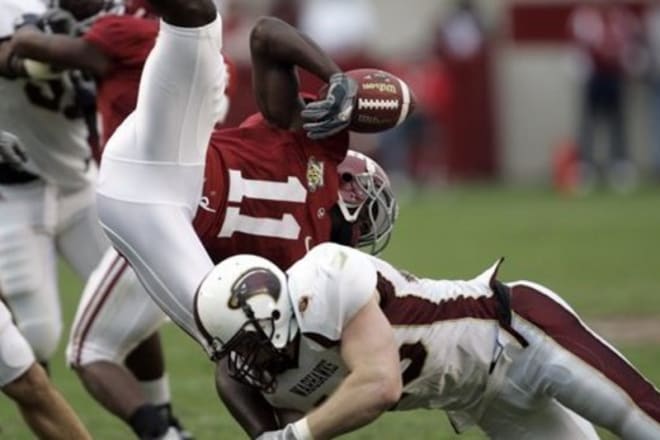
point(123, 38)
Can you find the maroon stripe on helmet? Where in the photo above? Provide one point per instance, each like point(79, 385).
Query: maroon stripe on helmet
point(567, 330)
point(104, 295)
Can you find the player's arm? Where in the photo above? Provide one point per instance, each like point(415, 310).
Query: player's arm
point(245, 403)
point(63, 51)
point(373, 385)
point(277, 48)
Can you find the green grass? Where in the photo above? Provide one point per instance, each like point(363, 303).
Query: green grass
point(601, 253)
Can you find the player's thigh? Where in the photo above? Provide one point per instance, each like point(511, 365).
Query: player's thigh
point(181, 92)
point(15, 353)
point(565, 359)
point(536, 419)
point(114, 315)
point(28, 264)
point(158, 153)
point(80, 238)
point(163, 248)
point(27, 213)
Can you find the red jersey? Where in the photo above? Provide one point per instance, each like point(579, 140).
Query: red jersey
point(127, 41)
point(268, 191)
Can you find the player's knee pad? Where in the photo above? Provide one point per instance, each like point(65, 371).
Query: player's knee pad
point(15, 354)
point(79, 355)
point(28, 286)
point(43, 335)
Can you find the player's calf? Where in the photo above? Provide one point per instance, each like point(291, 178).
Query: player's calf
point(186, 13)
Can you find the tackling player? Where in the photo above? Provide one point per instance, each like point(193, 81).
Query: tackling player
point(341, 337)
point(47, 203)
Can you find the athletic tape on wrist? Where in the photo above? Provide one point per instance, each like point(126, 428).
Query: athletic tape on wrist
point(302, 431)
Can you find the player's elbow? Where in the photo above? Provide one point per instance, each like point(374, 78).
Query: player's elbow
point(386, 389)
point(262, 34)
point(391, 392)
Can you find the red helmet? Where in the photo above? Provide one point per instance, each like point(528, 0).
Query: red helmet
point(366, 199)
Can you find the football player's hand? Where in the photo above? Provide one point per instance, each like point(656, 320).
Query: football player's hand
point(11, 150)
point(332, 114)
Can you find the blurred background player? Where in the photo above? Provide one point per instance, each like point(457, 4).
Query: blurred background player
point(111, 44)
point(606, 34)
point(343, 337)
point(47, 202)
point(25, 382)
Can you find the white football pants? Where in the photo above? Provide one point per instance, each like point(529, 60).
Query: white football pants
point(152, 170)
point(37, 224)
point(566, 376)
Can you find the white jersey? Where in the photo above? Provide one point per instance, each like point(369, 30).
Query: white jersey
point(42, 114)
point(332, 283)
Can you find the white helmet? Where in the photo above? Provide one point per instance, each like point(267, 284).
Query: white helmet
point(366, 198)
point(243, 309)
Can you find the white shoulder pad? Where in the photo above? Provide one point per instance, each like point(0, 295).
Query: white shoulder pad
point(329, 286)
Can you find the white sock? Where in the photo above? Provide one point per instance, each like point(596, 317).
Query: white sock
point(157, 391)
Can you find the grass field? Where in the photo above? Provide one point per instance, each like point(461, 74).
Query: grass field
point(601, 253)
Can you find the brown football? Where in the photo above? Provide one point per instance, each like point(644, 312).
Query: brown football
point(383, 101)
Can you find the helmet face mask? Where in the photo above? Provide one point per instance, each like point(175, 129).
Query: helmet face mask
point(366, 199)
point(253, 360)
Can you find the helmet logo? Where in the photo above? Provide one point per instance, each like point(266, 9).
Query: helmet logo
point(257, 281)
point(314, 174)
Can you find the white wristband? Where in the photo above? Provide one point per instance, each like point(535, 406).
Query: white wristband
point(301, 430)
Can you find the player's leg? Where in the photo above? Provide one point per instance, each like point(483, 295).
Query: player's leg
point(185, 13)
point(518, 414)
point(568, 361)
point(26, 383)
point(28, 277)
point(147, 363)
point(79, 237)
point(114, 315)
point(43, 407)
point(152, 173)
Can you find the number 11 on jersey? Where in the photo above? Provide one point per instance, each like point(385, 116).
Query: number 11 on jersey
point(292, 191)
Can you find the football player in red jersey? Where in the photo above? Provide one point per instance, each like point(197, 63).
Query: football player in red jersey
point(268, 190)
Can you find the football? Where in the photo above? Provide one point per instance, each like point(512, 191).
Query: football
point(383, 101)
